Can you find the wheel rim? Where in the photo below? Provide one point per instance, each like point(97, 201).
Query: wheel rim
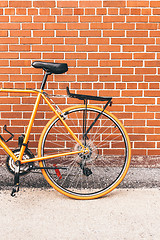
point(107, 171)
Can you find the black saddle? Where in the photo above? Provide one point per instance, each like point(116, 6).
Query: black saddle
point(49, 67)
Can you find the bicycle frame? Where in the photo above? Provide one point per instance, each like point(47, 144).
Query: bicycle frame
point(40, 95)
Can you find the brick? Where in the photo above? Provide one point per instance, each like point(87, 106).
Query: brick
point(110, 78)
point(153, 48)
point(124, 26)
point(65, 48)
point(144, 41)
point(152, 63)
point(44, 19)
point(109, 48)
point(112, 11)
point(42, 33)
point(55, 26)
point(86, 48)
point(87, 78)
point(53, 55)
point(111, 63)
point(91, 33)
point(133, 48)
point(99, 71)
point(44, 11)
point(132, 63)
point(155, 4)
point(151, 93)
point(101, 11)
point(3, 33)
point(113, 19)
point(132, 108)
point(155, 34)
point(129, 93)
point(137, 19)
point(121, 41)
point(144, 101)
point(32, 11)
point(109, 93)
point(19, 48)
point(146, 26)
point(20, 33)
point(42, 48)
point(3, 3)
point(144, 145)
point(144, 56)
point(145, 71)
point(98, 56)
point(137, 33)
point(137, 3)
point(114, 4)
point(121, 55)
point(9, 26)
point(146, 11)
point(30, 56)
point(85, 63)
point(48, 40)
point(65, 33)
point(67, 19)
point(20, 11)
point(98, 41)
point(90, 19)
point(78, 11)
point(78, 26)
point(30, 40)
point(67, 4)
point(21, 19)
point(20, 4)
point(20, 63)
point(124, 11)
point(154, 19)
point(152, 78)
point(9, 71)
point(9, 11)
point(78, 71)
point(8, 55)
point(45, 4)
point(135, 11)
point(90, 11)
point(101, 26)
point(122, 70)
point(75, 55)
point(4, 63)
point(31, 26)
point(90, 3)
point(112, 33)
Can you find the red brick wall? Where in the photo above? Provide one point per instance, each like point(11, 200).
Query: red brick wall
point(112, 49)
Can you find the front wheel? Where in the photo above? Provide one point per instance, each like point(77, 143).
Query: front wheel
point(85, 175)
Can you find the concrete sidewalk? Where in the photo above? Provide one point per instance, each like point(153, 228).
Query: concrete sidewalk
point(39, 212)
point(125, 214)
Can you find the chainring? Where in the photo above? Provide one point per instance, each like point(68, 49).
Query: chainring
point(24, 168)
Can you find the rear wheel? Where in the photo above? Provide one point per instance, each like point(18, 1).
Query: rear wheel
point(85, 175)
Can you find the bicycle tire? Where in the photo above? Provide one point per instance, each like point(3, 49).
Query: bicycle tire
point(107, 161)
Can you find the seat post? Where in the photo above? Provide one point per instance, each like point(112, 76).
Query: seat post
point(45, 79)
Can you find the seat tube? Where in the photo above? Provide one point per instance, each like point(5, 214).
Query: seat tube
point(30, 126)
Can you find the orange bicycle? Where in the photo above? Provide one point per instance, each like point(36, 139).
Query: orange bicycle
point(84, 151)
